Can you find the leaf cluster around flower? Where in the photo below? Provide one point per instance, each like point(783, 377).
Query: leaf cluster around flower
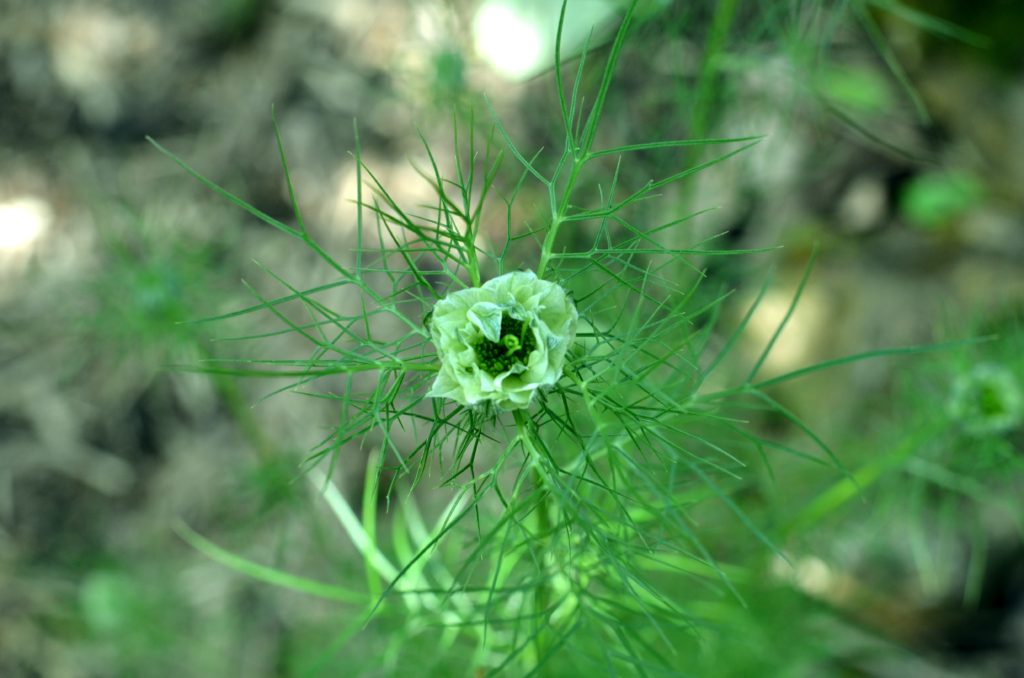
point(503, 341)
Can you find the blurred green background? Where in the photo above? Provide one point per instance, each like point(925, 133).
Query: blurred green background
point(895, 144)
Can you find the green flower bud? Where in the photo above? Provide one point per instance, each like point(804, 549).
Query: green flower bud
point(503, 341)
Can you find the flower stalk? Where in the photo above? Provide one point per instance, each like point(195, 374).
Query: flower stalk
point(542, 535)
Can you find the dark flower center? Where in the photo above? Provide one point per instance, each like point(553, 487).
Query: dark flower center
point(513, 347)
point(990, 401)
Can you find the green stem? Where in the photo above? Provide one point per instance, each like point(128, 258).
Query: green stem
point(472, 263)
point(542, 594)
point(558, 212)
point(725, 12)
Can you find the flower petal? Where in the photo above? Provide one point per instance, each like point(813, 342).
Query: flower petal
point(487, 316)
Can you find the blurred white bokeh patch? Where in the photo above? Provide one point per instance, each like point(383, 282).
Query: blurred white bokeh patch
point(517, 37)
point(24, 221)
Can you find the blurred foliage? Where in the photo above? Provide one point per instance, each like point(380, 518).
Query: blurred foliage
point(934, 200)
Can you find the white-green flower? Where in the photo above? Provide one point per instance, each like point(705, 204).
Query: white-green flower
point(502, 341)
point(987, 400)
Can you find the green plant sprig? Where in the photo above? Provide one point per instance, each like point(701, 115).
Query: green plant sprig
point(583, 516)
